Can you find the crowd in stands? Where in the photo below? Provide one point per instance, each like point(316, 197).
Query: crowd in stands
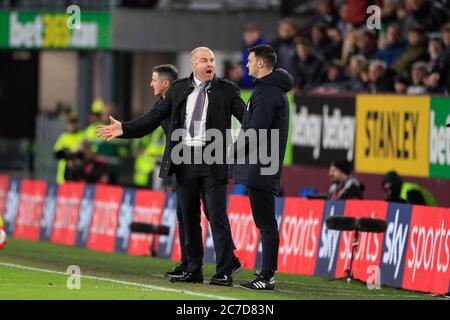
point(339, 52)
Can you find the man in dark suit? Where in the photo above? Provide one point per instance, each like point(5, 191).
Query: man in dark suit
point(267, 111)
point(195, 104)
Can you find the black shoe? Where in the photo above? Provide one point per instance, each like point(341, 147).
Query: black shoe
point(190, 277)
point(222, 280)
point(177, 272)
point(237, 266)
point(260, 283)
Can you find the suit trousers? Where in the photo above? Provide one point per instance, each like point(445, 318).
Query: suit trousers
point(263, 209)
point(192, 179)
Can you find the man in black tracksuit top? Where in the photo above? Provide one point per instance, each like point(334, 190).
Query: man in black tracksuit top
point(268, 109)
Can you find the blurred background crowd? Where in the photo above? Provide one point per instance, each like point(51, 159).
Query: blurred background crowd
point(338, 52)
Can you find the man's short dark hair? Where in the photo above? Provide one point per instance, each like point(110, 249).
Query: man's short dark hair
point(166, 72)
point(265, 52)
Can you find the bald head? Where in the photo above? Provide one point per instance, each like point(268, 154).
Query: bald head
point(203, 63)
point(195, 52)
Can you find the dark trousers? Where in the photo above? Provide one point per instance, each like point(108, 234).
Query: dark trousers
point(181, 232)
point(263, 209)
point(192, 179)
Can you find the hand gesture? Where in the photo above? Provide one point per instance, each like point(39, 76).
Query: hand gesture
point(113, 130)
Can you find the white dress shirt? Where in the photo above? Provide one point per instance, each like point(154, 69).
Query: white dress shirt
point(200, 138)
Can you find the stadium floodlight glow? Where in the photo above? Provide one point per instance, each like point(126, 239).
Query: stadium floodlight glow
point(356, 225)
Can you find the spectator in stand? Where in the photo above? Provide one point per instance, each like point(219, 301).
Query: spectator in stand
point(252, 37)
point(434, 85)
point(322, 44)
point(357, 11)
point(234, 72)
point(401, 84)
point(415, 51)
point(355, 67)
point(327, 13)
point(343, 184)
point(337, 40)
point(368, 44)
point(350, 46)
point(418, 74)
point(444, 60)
point(380, 79)
point(307, 67)
point(394, 45)
point(342, 24)
point(284, 45)
point(334, 80)
point(435, 52)
point(389, 13)
point(430, 14)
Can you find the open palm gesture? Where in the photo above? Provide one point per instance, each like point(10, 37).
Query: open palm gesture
point(111, 131)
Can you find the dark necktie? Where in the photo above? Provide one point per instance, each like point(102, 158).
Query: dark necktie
point(198, 109)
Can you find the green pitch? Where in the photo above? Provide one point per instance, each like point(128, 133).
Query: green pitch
point(37, 270)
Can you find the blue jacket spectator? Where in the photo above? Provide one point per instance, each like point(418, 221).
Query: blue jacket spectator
point(252, 37)
point(394, 46)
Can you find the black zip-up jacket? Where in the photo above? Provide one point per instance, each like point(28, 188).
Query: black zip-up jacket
point(268, 108)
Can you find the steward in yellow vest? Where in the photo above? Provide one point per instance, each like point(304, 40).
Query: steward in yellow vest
point(66, 146)
point(406, 192)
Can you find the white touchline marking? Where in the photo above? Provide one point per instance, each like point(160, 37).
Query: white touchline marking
point(148, 286)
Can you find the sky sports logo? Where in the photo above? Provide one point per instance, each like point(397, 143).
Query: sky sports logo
point(429, 250)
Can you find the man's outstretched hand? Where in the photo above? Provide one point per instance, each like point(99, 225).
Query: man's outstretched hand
point(113, 130)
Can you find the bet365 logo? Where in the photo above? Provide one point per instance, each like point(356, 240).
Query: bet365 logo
point(74, 20)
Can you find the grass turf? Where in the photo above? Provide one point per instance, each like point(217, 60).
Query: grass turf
point(119, 276)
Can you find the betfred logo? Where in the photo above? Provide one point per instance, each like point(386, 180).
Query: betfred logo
point(148, 208)
point(368, 252)
point(398, 220)
point(29, 214)
point(428, 254)
point(102, 234)
point(243, 229)
point(67, 213)
point(299, 235)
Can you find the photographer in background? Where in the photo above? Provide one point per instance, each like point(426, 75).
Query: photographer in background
point(85, 165)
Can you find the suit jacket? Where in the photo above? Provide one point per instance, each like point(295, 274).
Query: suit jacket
point(224, 100)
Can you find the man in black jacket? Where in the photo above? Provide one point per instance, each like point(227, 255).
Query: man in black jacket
point(267, 113)
point(195, 104)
